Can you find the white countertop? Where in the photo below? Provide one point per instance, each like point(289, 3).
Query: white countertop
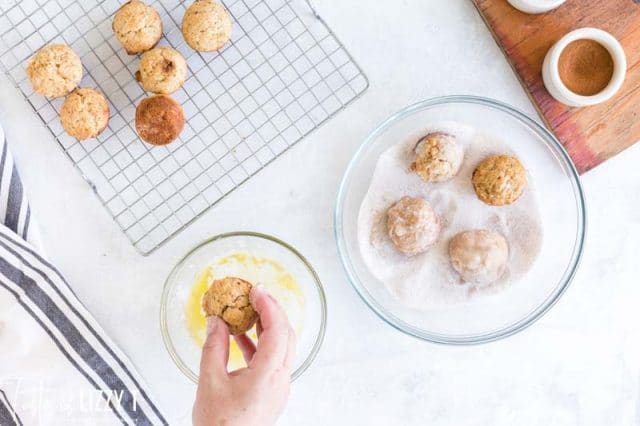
point(578, 365)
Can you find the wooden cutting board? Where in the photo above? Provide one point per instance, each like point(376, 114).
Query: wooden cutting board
point(592, 134)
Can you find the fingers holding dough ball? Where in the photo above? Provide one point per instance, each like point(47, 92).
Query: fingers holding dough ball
point(206, 26)
point(137, 27)
point(438, 157)
point(479, 256)
point(228, 299)
point(499, 180)
point(413, 225)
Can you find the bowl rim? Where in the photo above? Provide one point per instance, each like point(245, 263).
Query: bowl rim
point(533, 315)
point(168, 284)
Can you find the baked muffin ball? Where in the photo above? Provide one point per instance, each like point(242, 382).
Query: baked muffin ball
point(438, 157)
point(159, 119)
point(499, 180)
point(162, 70)
point(206, 25)
point(138, 27)
point(228, 299)
point(84, 114)
point(412, 225)
point(479, 256)
point(55, 70)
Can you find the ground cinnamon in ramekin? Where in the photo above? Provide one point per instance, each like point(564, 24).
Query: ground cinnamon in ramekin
point(585, 67)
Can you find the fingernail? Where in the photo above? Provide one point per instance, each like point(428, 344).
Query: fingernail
point(212, 324)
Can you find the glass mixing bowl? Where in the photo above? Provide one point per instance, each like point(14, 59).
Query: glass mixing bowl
point(562, 209)
point(182, 347)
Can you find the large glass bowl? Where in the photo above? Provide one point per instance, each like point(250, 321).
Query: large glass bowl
point(182, 348)
point(561, 204)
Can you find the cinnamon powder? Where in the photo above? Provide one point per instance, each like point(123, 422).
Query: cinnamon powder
point(585, 67)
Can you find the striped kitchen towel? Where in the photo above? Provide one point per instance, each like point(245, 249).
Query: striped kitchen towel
point(57, 365)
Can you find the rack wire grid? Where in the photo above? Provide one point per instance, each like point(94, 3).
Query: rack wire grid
point(282, 75)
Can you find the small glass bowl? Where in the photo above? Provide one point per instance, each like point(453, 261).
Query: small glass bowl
point(183, 349)
point(562, 211)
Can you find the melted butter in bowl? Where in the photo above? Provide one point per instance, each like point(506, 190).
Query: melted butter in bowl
point(256, 258)
point(279, 282)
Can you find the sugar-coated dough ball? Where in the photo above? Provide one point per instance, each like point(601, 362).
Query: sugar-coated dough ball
point(438, 157)
point(228, 299)
point(162, 70)
point(55, 70)
point(499, 180)
point(138, 27)
point(206, 25)
point(413, 225)
point(84, 114)
point(479, 256)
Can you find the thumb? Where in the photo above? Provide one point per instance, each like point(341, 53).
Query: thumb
point(215, 351)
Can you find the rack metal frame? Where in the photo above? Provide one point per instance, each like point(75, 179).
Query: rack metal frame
point(283, 74)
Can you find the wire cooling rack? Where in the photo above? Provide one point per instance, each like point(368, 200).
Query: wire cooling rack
point(283, 74)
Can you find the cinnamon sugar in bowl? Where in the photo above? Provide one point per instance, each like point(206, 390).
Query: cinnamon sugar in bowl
point(585, 67)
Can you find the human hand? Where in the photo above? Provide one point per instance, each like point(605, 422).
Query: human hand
point(257, 394)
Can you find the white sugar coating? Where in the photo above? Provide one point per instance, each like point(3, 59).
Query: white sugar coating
point(428, 280)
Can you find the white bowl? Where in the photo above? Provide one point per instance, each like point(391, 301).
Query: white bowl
point(178, 341)
point(551, 75)
point(535, 6)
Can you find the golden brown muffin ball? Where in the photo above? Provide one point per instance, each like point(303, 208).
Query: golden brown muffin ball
point(159, 119)
point(162, 70)
point(138, 27)
point(499, 180)
point(206, 25)
point(228, 299)
point(55, 70)
point(84, 114)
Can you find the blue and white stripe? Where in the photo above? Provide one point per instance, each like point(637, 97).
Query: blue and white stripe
point(15, 212)
point(40, 289)
point(8, 416)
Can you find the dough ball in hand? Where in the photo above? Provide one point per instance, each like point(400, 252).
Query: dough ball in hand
point(137, 27)
point(413, 225)
point(479, 256)
point(438, 157)
point(228, 298)
point(499, 180)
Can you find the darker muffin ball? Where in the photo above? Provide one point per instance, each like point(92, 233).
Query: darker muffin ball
point(159, 119)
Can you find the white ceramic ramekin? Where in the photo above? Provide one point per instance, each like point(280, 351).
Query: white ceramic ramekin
point(551, 75)
point(535, 6)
